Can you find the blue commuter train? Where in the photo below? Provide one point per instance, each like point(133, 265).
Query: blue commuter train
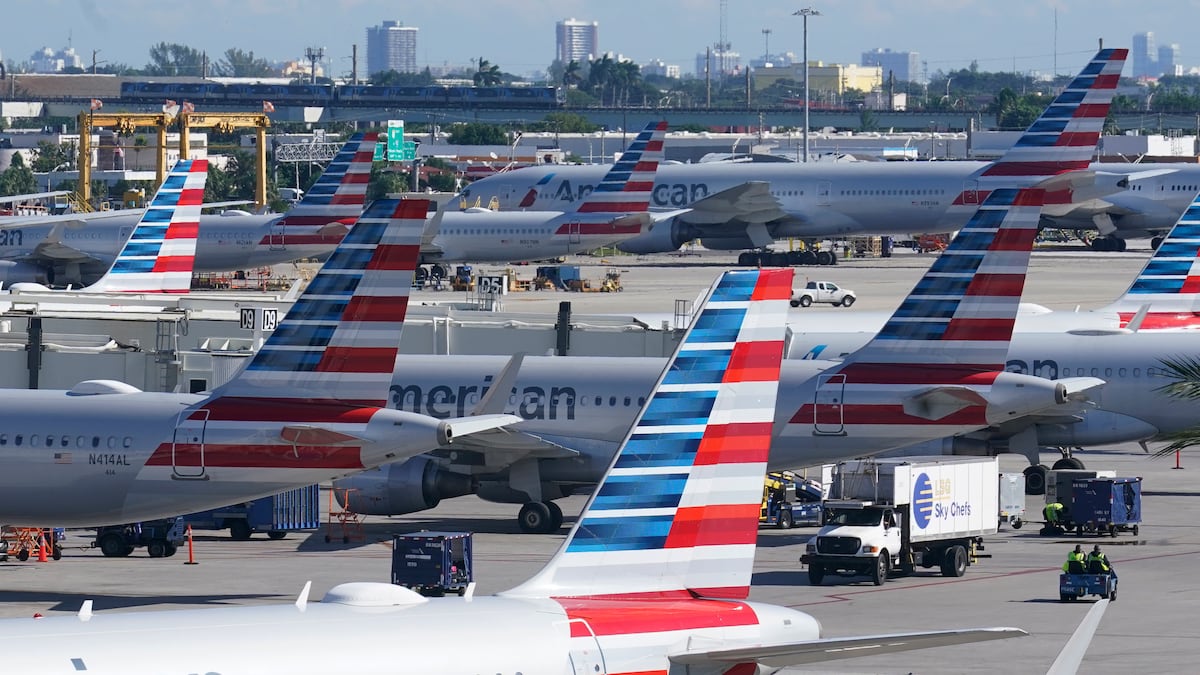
point(538, 98)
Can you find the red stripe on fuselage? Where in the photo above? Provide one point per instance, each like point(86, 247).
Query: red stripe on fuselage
point(583, 229)
point(626, 617)
point(1046, 168)
point(923, 373)
point(888, 415)
point(257, 456)
point(297, 410)
point(1156, 320)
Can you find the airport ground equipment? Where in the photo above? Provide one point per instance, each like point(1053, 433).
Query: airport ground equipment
point(789, 500)
point(895, 514)
point(162, 538)
point(1106, 505)
point(1059, 490)
point(433, 563)
point(296, 509)
point(1075, 585)
point(24, 543)
point(1012, 499)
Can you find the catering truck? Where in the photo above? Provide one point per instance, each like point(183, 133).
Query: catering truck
point(896, 514)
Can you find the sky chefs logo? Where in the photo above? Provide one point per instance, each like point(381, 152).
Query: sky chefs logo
point(922, 500)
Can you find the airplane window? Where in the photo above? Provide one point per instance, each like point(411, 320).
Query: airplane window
point(80, 441)
point(627, 401)
point(1137, 372)
point(599, 401)
point(66, 440)
point(112, 442)
point(35, 439)
point(1108, 372)
point(641, 400)
point(1095, 372)
point(95, 441)
point(3, 439)
point(17, 439)
point(612, 401)
point(1066, 372)
point(49, 441)
point(1121, 372)
point(127, 442)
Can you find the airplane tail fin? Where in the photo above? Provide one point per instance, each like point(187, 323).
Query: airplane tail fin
point(159, 254)
point(962, 311)
point(339, 194)
point(1065, 136)
point(1170, 281)
point(627, 186)
point(677, 512)
point(339, 340)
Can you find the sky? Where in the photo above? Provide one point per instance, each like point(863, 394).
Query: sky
point(518, 35)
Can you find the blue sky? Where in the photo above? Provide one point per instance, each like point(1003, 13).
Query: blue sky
point(518, 35)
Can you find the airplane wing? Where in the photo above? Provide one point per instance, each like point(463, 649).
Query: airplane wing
point(53, 249)
point(1071, 656)
point(33, 196)
point(78, 219)
point(750, 202)
point(819, 651)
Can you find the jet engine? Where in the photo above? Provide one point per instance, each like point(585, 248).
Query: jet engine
point(12, 272)
point(1014, 395)
point(664, 236)
point(403, 487)
point(736, 243)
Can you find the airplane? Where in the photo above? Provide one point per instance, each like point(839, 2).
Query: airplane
point(615, 211)
point(818, 200)
point(653, 578)
point(78, 248)
point(159, 254)
point(935, 370)
point(309, 406)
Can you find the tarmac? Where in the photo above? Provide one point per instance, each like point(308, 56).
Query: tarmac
point(1014, 582)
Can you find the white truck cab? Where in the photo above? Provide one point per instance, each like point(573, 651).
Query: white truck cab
point(823, 291)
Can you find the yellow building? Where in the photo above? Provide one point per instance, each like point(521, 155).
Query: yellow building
point(826, 80)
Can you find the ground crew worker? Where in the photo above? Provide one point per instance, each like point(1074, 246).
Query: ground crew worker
point(1098, 562)
point(1075, 556)
point(1051, 514)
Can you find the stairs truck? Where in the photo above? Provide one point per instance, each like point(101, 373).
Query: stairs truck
point(892, 515)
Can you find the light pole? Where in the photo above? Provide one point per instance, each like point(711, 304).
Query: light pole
point(804, 14)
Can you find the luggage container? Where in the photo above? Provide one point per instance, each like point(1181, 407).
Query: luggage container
point(1106, 505)
point(1012, 499)
point(432, 563)
point(297, 509)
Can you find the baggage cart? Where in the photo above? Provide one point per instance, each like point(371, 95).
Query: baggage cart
point(432, 563)
point(1106, 505)
point(1012, 499)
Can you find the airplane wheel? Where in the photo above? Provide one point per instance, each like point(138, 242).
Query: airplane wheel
point(420, 276)
point(747, 259)
point(1121, 245)
point(1035, 479)
point(1068, 463)
point(1155, 242)
point(534, 518)
point(556, 516)
point(808, 258)
point(824, 258)
point(439, 271)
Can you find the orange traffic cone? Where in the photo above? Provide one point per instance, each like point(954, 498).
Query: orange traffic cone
point(42, 557)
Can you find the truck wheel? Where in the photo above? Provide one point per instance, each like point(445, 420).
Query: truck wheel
point(816, 573)
point(847, 301)
point(795, 303)
point(112, 545)
point(239, 530)
point(1135, 530)
point(56, 553)
point(157, 548)
point(1065, 597)
point(954, 562)
point(785, 520)
point(171, 549)
point(879, 573)
point(1112, 595)
point(805, 301)
point(276, 534)
point(1017, 523)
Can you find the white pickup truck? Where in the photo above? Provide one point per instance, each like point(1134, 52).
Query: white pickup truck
point(822, 291)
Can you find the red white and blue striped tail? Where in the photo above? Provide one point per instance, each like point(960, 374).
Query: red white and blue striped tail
point(339, 194)
point(1170, 281)
point(159, 255)
point(1064, 138)
point(677, 512)
point(627, 186)
point(963, 309)
point(339, 341)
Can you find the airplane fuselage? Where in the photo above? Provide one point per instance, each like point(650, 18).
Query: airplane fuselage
point(863, 198)
point(487, 236)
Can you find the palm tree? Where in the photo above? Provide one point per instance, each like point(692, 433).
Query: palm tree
point(487, 75)
point(1184, 372)
point(628, 76)
point(573, 74)
point(600, 76)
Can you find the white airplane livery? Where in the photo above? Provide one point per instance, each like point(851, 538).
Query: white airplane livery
point(936, 370)
point(76, 249)
point(844, 199)
point(654, 578)
point(309, 406)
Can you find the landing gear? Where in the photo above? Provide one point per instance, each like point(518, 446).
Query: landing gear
point(540, 518)
point(1035, 479)
point(1068, 463)
point(1108, 245)
point(784, 259)
point(1155, 242)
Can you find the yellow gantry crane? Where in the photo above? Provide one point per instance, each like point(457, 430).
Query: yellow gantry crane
point(126, 123)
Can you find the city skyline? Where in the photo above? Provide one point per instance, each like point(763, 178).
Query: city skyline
point(519, 35)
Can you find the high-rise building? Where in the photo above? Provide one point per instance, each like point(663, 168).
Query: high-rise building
point(391, 46)
point(1143, 55)
point(576, 40)
point(1168, 60)
point(902, 65)
point(727, 62)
